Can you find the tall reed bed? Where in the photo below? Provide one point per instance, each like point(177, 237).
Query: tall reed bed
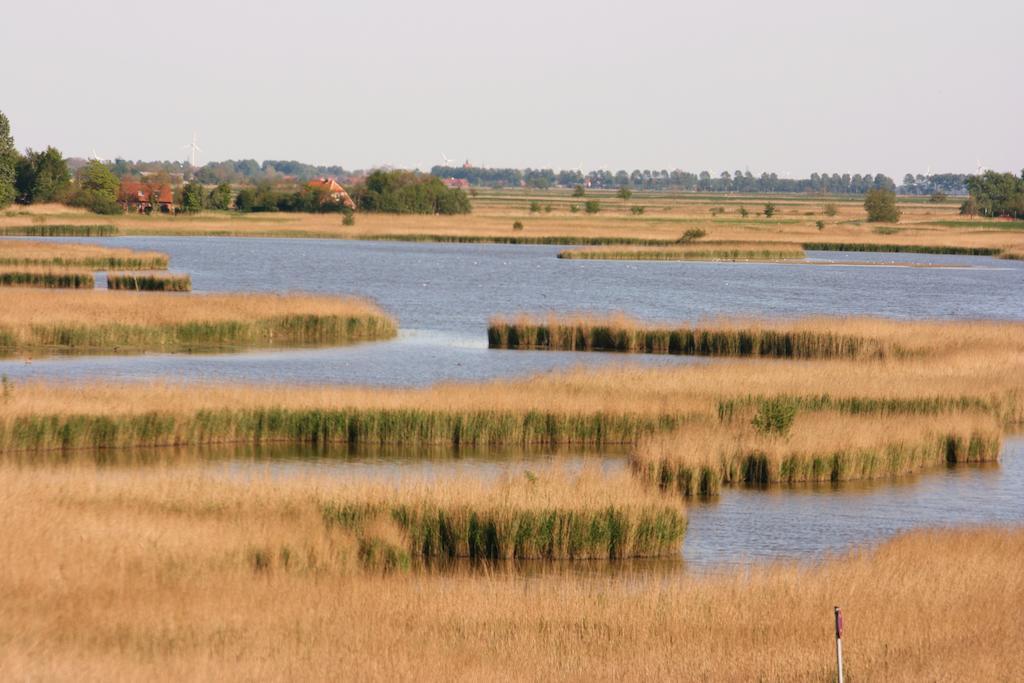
point(125, 321)
point(58, 230)
point(903, 248)
point(703, 251)
point(150, 282)
point(513, 239)
point(548, 516)
point(52, 278)
point(773, 447)
point(27, 253)
point(807, 338)
point(1012, 254)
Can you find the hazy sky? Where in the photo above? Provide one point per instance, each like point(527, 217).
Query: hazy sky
point(791, 86)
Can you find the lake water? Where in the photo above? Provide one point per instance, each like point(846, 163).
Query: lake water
point(443, 295)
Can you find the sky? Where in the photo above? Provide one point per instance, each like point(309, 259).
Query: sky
point(791, 86)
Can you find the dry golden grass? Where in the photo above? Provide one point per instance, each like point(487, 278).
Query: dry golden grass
point(132, 320)
point(161, 575)
point(666, 218)
point(26, 253)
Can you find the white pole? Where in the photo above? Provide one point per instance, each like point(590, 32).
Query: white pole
point(839, 643)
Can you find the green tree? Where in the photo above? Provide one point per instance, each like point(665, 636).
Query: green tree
point(592, 206)
point(42, 177)
point(96, 189)
point(881, 206)
point(578, 191)
point(998, 194)
point(192, 196)
point(769, 210)
point(219, 198)
point(624, 193)
point(8, 161)
point(534, 207)
point(407, 192)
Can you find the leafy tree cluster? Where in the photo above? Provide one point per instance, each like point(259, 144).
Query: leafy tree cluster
point(945, 183)
point(250, 171)
point(8, 162)
point(407, 192)
point(266, 197)
point(42, 177)
point(995, 194)
point(740, 181)
point(96, 189)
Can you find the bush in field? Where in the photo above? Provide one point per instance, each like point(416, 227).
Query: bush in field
point(775, 416)
point(348, 217)
point(574, 208)
point(192, 197)
point(518, 225)
point(769, 210)
point(548, 208)
point(578, 191)
point(881, 206)
point(743, 212)
point(636, 210)
point(717, 210)
point(534, 207)
point(691, 235)
point(831, 209)
point(592, 206)
point(624, 193)
point(938, 197)
point(820, 225)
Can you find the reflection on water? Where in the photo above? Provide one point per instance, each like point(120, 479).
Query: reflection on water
point(743, 525)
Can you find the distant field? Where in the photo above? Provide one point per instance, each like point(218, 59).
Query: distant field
point(665, 217)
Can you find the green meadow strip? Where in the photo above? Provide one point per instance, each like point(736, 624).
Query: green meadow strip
point(39, 433)
point(506, 531)
point(55, 279)
point(149, 282)
point(59, 230)
point(279, 330)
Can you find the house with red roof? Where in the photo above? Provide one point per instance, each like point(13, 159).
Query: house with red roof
point(330, 188)
point(140, 197)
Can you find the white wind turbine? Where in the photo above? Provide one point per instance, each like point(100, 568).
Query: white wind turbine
point(447, 161)
point(194, 151)
point(96, 157)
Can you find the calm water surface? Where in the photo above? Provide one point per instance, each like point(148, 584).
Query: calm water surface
point(443, 294)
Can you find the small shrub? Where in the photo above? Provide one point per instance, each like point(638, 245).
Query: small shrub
point(938, 197)
point(830, 209)
point(548, 208)
point(743, 212)
point(636, 210)
point(534, 207)
point(881, 206)
point(578, 191)
point(691, 235)
point(592, 206)
point(574, 208)
point(820, 224)
point(518, 225)
point(624, 193)
point(775, 416)
point(348, 217)
point(769, 210)
point(717, 210)
point(7, 390)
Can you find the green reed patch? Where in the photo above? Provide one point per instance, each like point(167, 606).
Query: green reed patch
point(149, 282)
point(59, 230)
point(696, 341)
point(54, 279)
point(508, 530)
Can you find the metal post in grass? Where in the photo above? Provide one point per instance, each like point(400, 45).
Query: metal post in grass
point(839, 643)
